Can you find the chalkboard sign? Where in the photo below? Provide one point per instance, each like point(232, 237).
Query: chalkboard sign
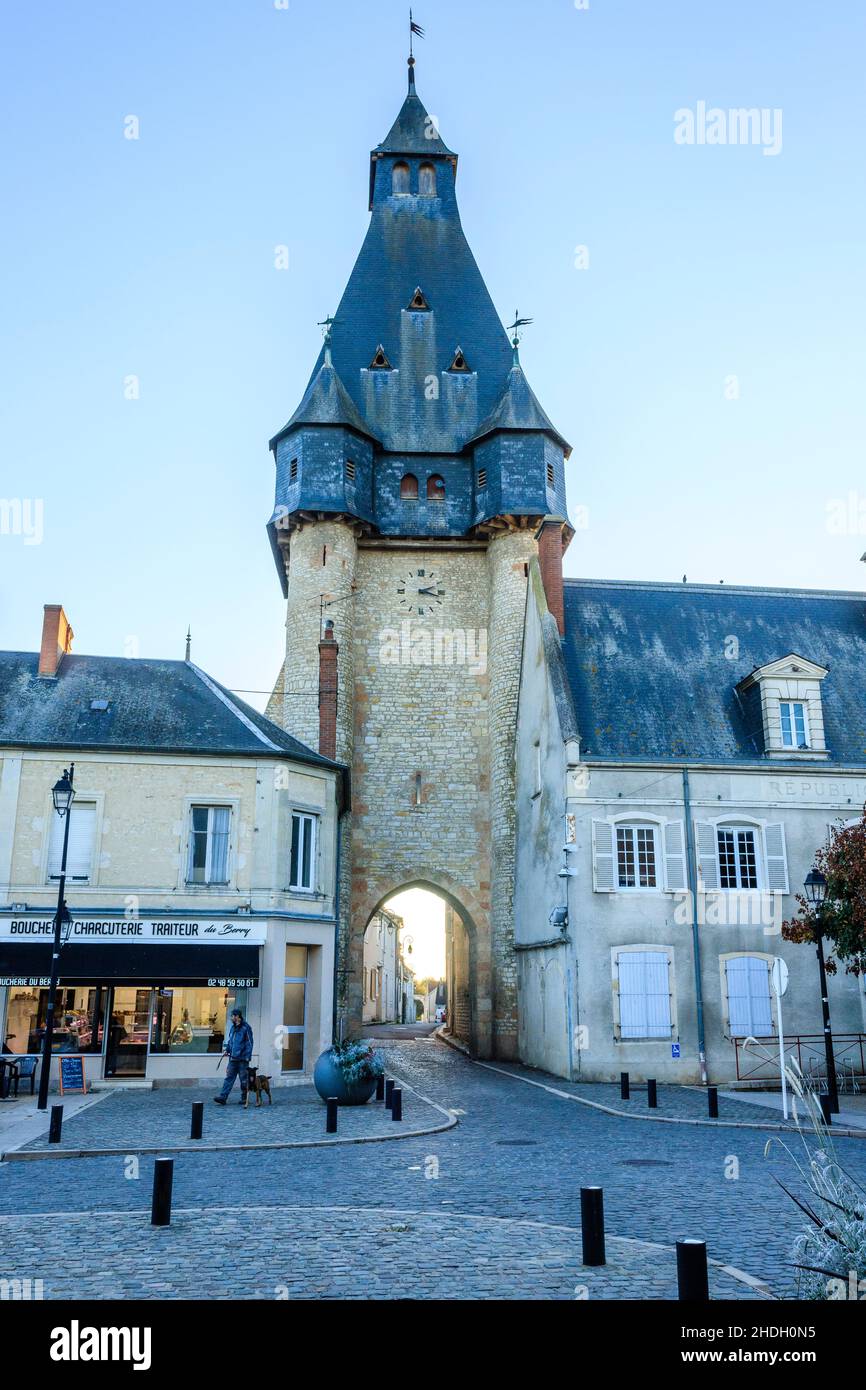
point(72, 1074)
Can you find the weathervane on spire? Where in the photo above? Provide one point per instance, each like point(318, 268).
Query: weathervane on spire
point(515, 328)
point(415, 30)
point(327, 324)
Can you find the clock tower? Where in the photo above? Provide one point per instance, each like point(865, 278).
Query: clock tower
point(414, 482)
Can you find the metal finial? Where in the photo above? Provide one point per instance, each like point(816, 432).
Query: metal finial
point(327, 324)
point(515, 328)
point(414, 30)
point(188, 643)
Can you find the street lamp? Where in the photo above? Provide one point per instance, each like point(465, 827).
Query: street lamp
point(63, 795)
point(816, 892)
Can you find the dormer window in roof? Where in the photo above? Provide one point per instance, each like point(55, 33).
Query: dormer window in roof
point(459, 363)
point(380, 361)
point(791, 710)
point(400, 179)
point(418, 301)
point(427, 181)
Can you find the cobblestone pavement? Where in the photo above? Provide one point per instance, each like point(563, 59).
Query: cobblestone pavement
point(334, 1253)
point(518, 1154)
point(161, 1119)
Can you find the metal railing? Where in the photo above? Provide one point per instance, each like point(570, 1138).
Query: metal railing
point(757, 1059)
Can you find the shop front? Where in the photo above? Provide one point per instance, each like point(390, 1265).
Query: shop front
point(151, 998)
point(132, 1001)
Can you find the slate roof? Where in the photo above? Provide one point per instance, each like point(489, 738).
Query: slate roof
point(153, 706)
point(326, 402)
point(518, 409)
point(409, 133)
point(651, 681)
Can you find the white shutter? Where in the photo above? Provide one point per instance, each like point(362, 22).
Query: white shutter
point(644, 994)
point(79, 852)
point(750, 1012)
point(708, 858)
point(603, 857)
point(675, 857)
point(776, 858)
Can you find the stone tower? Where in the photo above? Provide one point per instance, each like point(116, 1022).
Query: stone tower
point(412, 485)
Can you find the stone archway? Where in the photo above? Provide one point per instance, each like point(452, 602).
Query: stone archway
point(468, 965)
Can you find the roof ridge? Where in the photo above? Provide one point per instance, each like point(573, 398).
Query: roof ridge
point(673, 586)
point(230, 705)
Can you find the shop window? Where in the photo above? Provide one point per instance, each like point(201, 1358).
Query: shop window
point(409, 487)
point(209, 845)
point(302, 874)
point(191, 1020)
point(294, 1008)
point(82, 840)
point(79, 1018)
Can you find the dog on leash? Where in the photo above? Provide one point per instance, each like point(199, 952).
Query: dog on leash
point(261, 1085)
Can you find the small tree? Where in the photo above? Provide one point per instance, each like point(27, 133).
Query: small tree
point(842, 861)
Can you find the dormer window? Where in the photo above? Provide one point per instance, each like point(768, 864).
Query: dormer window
point(781, 704)
point(459, 363)
point(794, 722)
point(427, 181)
point(380, 361)
point(400, 179)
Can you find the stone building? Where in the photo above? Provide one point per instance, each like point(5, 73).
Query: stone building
point(201, 870)
point(414, 482)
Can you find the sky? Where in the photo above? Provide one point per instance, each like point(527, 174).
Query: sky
point(703, 351)
point(423, 915)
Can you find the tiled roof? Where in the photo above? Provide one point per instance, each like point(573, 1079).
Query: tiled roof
point(652, 680)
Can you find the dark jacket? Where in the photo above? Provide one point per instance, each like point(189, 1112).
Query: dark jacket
point(239, 1043)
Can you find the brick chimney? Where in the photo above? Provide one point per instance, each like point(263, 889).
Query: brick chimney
point(328, 650)
point(56, 639)
point(549, 537)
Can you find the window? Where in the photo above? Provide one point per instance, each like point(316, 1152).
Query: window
point(644, 994)
point(551, 477)
point(409, 487)
point(400, 178)
point(191, 1019)
point(294, 1008)
point(482, 479)
point(302, 875)
point(350, 470)
point(794, 727)
point(209, 845)
point(293, 471)
point(435, 488)
point(738, 857)
point(82, 839)
point(427, 181)
point(750, 1013)
point(636, 856)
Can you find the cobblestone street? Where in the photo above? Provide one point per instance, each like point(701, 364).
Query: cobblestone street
point(488, 1209)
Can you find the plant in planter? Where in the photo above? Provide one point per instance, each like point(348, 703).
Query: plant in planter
point(348, 1070)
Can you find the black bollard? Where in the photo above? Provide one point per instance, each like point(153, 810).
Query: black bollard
point(56, 1124)
point(692, 1280)
point(592, 1224)
point(397, 1103)
point(331, 1105)
point(652, 1099)
point(713, 1101)
point(197, 1119)
point(163, 1174)
point(623, 1085)
point(389, 1092)
point(826, 1108)
point(380, 1087)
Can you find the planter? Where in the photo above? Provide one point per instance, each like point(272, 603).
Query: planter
point(329, 1080)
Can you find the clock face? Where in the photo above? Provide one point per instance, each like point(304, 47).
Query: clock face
point(420, 592)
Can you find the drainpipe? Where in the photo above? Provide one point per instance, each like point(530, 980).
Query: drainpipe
point(691, 861)
point(336, 926)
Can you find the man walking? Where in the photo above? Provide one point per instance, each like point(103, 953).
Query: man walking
point(239, 1049)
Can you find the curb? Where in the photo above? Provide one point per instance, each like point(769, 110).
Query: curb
point(662, 1119)
point(39, 1155)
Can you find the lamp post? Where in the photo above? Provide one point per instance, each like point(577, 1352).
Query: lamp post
point(816, 893)
point(63, 795)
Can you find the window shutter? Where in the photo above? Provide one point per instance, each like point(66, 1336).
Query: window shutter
point(603, 857)
point(675, 857)
point(776, 858)
point(644, 994)
point(750, 1013)
point(708, 859)
point(79, 853)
